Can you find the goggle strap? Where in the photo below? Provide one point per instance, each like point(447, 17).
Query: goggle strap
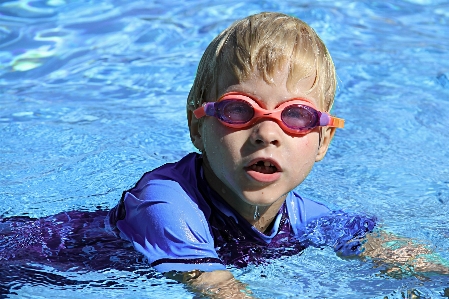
point(199, 112)
point(336, 122)
point(206, 109)
point(325, 119)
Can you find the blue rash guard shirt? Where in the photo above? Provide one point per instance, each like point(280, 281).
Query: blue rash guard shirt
point(179, 223)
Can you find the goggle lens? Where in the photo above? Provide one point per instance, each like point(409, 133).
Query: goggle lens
point(300, 117)
point(296, 117)
point(234, 111)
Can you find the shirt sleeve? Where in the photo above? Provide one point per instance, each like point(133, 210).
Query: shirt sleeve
point(343, 231)
point(166, 224)
point(316, 225)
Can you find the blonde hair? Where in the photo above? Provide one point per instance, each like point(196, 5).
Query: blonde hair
point(264, 43)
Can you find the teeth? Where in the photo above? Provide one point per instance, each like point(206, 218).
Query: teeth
point(264, 167)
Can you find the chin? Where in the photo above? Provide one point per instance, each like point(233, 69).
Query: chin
point(262, 198)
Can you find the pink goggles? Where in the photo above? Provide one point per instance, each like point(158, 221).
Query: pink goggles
point(296, 116)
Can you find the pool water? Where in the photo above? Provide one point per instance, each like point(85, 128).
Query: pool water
point(93, 95)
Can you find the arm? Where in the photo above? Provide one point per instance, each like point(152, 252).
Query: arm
point(402, 255)
point(214, 284)
point(167, 226)
point(355, 236)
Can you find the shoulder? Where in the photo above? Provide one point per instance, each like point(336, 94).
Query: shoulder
point(184, 172)
point(173, 186)
point(163, 205)
point(315, 224)
point(166, 218)
point(302, 211)
point(305, 209)
point(171, 182)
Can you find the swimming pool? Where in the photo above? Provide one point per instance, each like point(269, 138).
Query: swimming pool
point(86, 88)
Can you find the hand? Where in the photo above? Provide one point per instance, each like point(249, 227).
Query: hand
point(402, 256)
point(215, 284)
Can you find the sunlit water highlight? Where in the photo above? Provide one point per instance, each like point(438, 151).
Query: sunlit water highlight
point(93, 95)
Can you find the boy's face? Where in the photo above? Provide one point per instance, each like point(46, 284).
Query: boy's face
point(238, 163)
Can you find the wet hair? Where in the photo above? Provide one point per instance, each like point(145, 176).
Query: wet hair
point(264, 43)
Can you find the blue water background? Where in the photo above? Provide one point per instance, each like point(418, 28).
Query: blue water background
point(93, 95)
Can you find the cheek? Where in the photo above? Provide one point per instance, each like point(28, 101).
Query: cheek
point(232, 144)
point(305, 153)
point(218, 145)
point(219, 139)
point(223, 148)
point(311, 141)
point(211, 140)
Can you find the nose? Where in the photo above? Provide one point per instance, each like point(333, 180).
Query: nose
point(266, 132)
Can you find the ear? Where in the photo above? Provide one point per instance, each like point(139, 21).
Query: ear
point(195, 130)
point(326, 137)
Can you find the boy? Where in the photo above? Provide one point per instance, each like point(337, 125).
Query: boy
point(258, 113)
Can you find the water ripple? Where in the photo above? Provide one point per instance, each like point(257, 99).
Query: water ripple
point(93, 95)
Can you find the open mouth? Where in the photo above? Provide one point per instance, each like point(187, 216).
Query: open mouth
point(265, 167)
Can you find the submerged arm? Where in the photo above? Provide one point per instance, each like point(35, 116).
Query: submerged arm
point(402, 255)
point(356, 236)
point(214, 284)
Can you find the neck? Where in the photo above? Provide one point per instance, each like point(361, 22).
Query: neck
point(260, 219)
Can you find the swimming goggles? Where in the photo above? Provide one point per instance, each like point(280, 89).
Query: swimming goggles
point(296, 116)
